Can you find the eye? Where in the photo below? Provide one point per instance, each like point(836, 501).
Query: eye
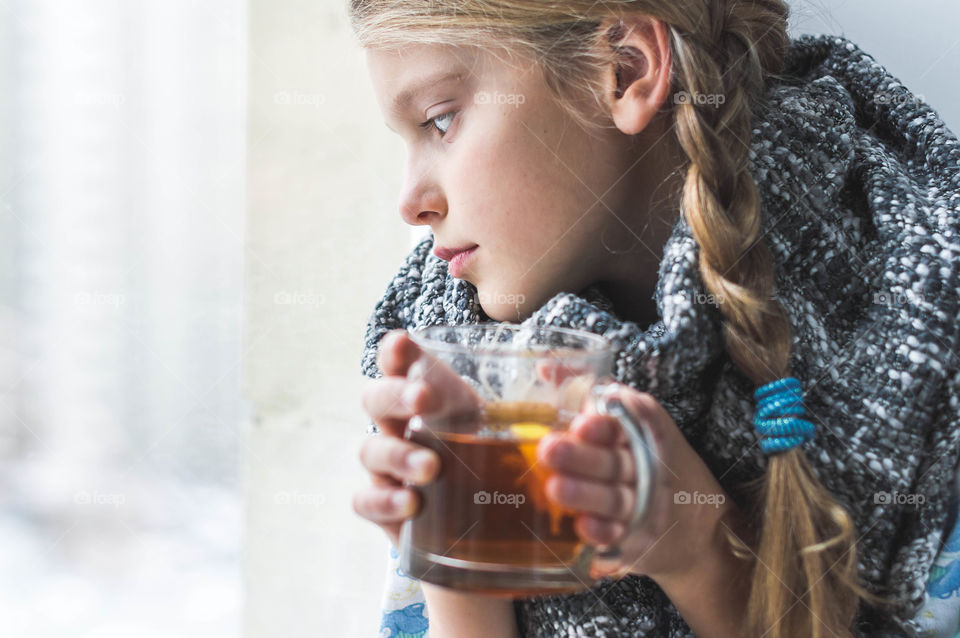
point(435, 122)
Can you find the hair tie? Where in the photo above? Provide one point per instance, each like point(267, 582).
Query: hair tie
point(778, 416)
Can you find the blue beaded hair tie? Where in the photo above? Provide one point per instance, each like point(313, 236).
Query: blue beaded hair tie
point(779, 413)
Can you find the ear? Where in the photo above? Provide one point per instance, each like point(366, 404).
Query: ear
point(639, 81)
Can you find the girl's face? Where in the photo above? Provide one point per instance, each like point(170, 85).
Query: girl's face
point(493, 161)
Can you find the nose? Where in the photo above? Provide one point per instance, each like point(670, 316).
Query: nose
point(424, 217)
point(421, 202)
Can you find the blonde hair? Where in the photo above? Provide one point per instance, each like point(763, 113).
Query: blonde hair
point(802, 560)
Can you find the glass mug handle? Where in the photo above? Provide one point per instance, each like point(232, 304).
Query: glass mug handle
point(607, 401)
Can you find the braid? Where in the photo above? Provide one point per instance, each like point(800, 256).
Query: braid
point(804, 573)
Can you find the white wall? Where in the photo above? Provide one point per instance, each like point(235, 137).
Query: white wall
point(918, 42)
point(323, 239)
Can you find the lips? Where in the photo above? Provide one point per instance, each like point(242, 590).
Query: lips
point(447, 254)
point(457, 257)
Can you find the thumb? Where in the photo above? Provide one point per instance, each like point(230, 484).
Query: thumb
point(643, 409)
point(434, 388)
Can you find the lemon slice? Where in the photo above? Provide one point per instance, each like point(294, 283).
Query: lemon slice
point(504, 412)
point(529, 430)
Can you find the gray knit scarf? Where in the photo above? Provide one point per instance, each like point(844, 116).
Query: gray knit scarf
point(860, 183)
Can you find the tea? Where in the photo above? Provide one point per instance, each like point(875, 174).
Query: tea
point(487, 510)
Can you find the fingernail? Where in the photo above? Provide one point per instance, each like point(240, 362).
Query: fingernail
point(419, 462)
point(410, 393)
point(402, 501)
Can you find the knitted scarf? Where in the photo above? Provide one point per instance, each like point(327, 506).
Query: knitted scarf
point(860, 187)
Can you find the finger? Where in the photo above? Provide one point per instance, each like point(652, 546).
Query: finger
point(607, 430)
point(648, 411)
point(558, 371)
point(610, 500)
point(660, 430)
point(396, 352)
point(392, 427)
point(437, 389)
point(385, 505)
point(573, 382)
point(598, 429)
point(430, 387)
point(399, 459)
point(385, 480)
point(383, 399)
point(571, 456)
point(597, 530)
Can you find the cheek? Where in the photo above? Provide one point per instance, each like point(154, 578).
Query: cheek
point(516, 195)
point(526, 208)
point(512, 157)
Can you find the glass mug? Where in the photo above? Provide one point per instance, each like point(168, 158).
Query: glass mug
point(485, 524)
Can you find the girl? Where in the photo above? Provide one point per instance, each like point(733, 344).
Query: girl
point(767, 231)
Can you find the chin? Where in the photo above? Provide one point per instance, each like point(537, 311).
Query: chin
point(502, 306)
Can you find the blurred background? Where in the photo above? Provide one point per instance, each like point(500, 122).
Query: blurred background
point(197, 215)
point(122, 133)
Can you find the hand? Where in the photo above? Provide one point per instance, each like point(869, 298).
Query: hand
point(390, 401)
point(594, 473)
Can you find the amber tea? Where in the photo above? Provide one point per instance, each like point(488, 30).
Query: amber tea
point(485, 523)
point(488, 505)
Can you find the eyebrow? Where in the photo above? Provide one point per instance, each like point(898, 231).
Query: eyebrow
point(404, 97)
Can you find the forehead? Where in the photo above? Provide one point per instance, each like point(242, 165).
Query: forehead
point(397, 74)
